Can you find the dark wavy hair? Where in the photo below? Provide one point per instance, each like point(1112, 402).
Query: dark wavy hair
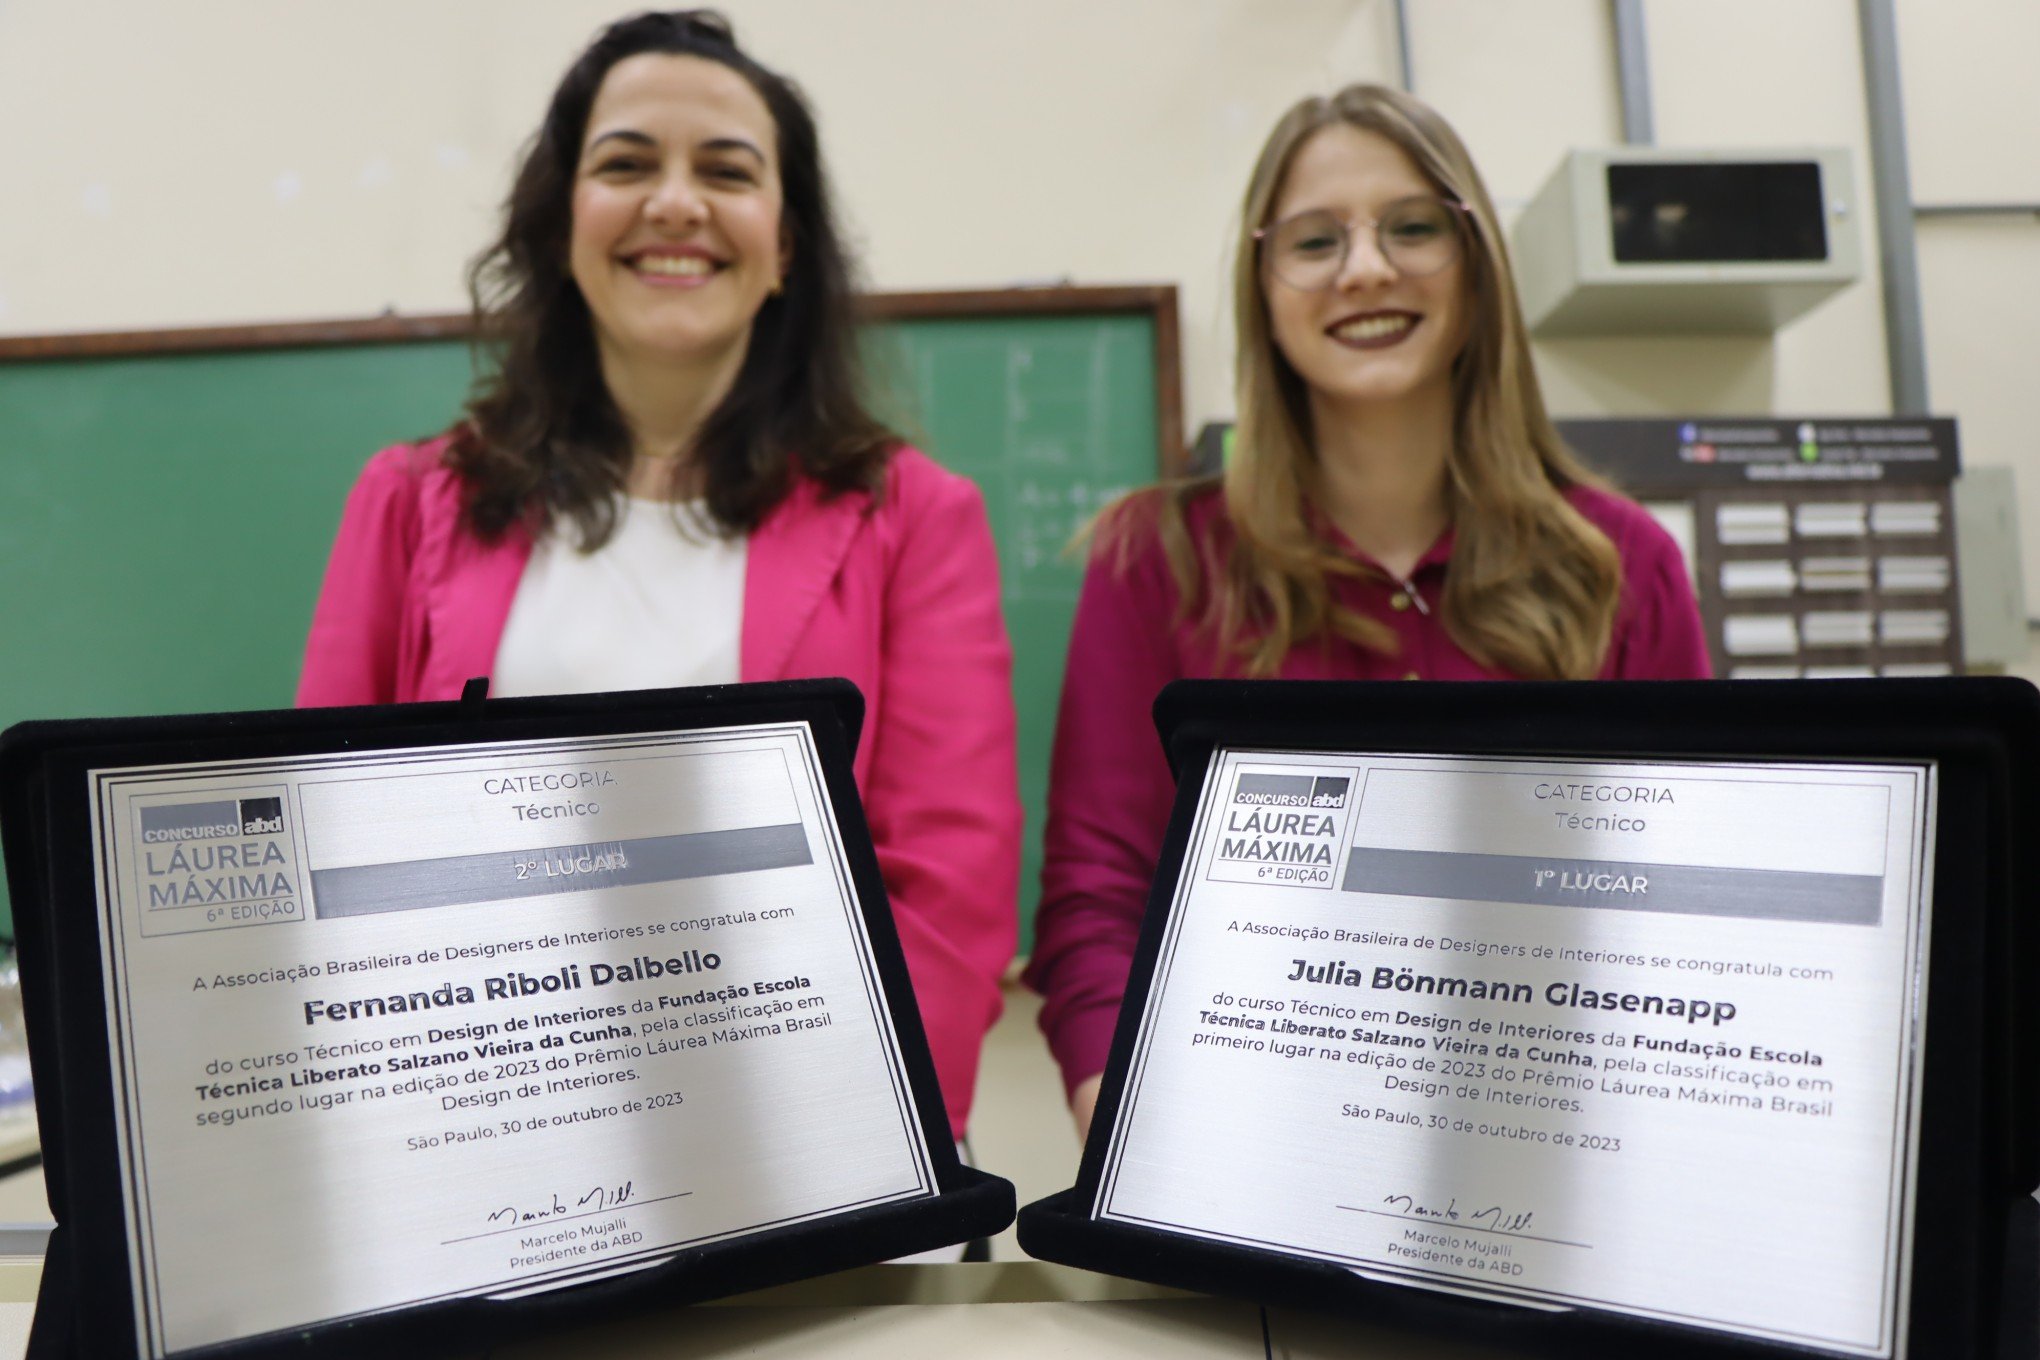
point(542, 439)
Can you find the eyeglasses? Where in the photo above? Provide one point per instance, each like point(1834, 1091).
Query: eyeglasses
point(1417, 236)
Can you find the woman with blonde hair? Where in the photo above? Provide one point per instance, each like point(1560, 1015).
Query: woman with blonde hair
point(1397, 505)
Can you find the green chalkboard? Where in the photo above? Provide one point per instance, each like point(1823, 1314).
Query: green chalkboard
point(167, 500)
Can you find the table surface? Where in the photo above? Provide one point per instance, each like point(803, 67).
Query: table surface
point(991, 1311)
point(1003, 1310)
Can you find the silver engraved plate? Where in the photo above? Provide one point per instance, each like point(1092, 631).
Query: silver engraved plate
point(1638, 1037)
point(393, 1027)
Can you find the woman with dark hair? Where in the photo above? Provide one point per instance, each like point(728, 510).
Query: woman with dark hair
point(670, 478)
point(1397, 506)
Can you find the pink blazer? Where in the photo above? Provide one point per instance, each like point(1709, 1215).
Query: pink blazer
point(899, 593)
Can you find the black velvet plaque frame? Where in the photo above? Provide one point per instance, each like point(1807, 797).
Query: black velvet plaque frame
point(1974, 1267)
point(86, 1305)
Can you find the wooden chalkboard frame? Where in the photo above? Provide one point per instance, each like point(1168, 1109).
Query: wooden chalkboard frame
point(1157, 301)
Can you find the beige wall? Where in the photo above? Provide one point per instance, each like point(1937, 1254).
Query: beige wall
point(1973, 129)
point(213, 161)
point(1755, 74)
point(243, 160)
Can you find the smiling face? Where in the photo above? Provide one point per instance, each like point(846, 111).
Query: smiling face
point(1374, 335)
point(676, 239)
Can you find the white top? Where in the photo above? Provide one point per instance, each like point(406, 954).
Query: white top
point(660, 604)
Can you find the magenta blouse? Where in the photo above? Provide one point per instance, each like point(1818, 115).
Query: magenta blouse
point(1110, 789)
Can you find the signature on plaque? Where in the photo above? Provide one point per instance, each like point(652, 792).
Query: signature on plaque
point(593, 1201)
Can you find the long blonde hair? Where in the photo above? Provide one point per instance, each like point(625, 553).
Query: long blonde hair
point(1532, 586)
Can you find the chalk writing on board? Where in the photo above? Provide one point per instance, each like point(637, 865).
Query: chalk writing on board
point(1044, 518)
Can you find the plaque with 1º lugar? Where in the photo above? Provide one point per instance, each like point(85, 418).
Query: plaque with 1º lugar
point(1637, 1036)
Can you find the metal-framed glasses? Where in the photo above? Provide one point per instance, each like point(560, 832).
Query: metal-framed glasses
point(1417, 236)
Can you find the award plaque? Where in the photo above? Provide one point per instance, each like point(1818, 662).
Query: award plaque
point(408, 1024)
point(1596, 1018)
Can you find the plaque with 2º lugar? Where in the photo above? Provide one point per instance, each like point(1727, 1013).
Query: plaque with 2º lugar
point(516, 991)
point(406, 1031)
